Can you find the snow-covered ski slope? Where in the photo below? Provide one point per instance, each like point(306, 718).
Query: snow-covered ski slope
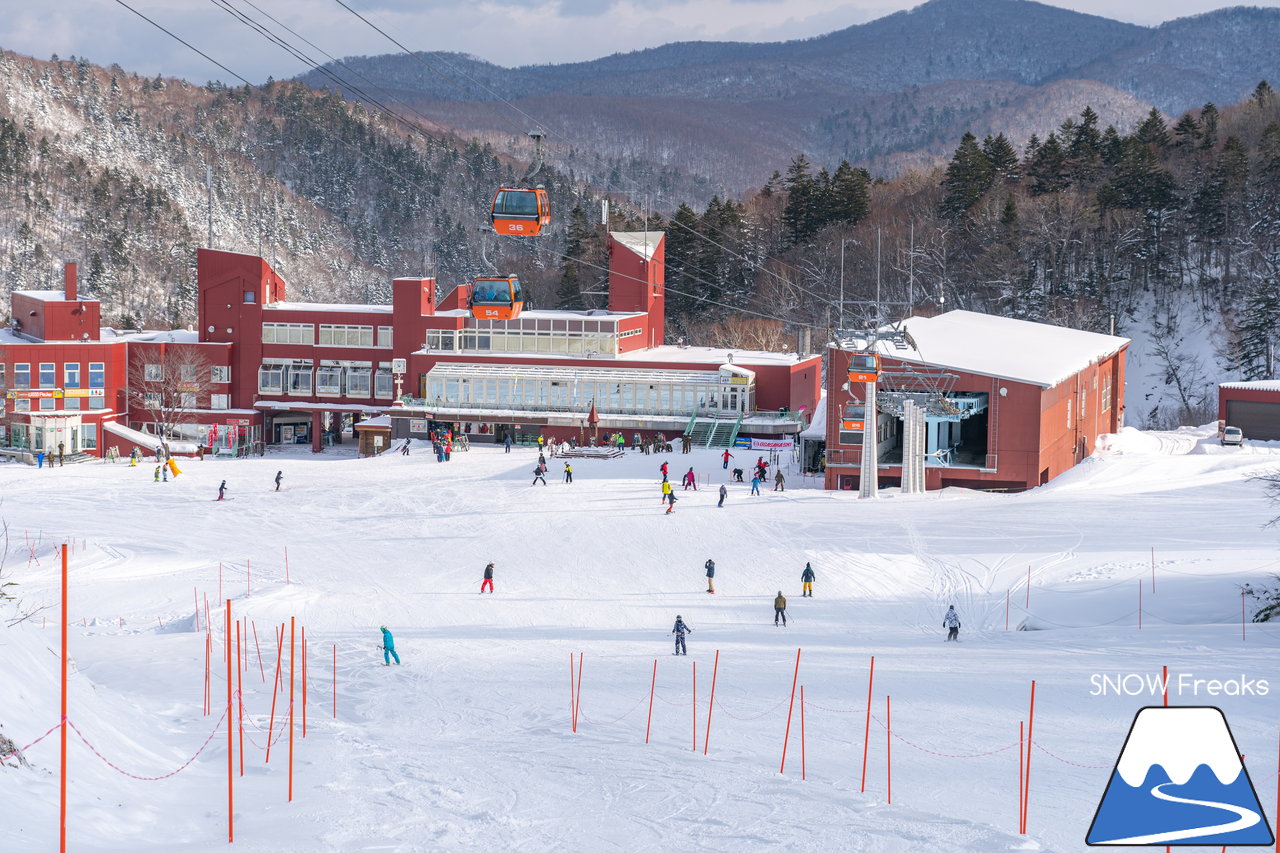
point(467, 745)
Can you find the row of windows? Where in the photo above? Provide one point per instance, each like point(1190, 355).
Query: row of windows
point(471, 340)
point(542, 324)
point(186, 373)
point(331, 335)
point(70, 404)
point(328, 381)
point(608, 396)
point(47, 375)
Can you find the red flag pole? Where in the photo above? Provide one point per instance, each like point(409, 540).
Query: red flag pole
point(257, 646)
point(304, 680)
point(1021, 786)
point(577, 699)
point(62, 771)
point(715, 668)
point(888, 751)
point(292, 627)
point(790, 707)
point(573, 697)
point(866, 735)
point(652, 683)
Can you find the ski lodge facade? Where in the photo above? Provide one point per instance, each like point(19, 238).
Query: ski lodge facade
point(1009, 404)
point(260, 369)
point(1252, 406)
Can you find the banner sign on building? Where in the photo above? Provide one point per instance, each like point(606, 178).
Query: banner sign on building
point(772, 444)
point(742, 441)
point(43, 394)
point(418, 425)
point(84, 392)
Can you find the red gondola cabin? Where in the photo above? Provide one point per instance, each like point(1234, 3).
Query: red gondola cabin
point(497, 298)
point(520, 212)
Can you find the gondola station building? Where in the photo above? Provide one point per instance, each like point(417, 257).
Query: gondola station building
point(267, 370)
point(1005, 404)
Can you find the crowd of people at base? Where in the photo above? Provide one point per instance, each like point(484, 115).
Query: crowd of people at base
point(690, 480)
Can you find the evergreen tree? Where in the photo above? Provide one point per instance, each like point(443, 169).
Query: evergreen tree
point(850, 194)
point(1209, 126)
point(1111, 147)
point(1186, 133)
point(967, 180)
point(1153, 131)
point(569, 293)
point(802, 195)
point(1046, 169)
point(684, 247)
point(1002, 160)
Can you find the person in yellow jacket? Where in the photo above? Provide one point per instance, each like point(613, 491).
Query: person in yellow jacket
point(780, 610)
point(666, 490)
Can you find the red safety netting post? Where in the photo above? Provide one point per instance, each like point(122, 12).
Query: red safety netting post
point(790, 707)
point(652, 683)
point(695, 706)
point(240, 697)
point(257, 646)
point(866, 735)
point(304, 680)
point(577, 699)
point(1026, 781)
point(292, 629)
point(286, 564)
point(573, 697)
point(275, 686)
point(62, 770)
point(1021, 786)
point(335, 681)
point(802, 761)
point(888, 752)
point(715, 669)
point(231, 744)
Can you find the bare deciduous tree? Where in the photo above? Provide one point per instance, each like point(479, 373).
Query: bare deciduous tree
point(167, 383)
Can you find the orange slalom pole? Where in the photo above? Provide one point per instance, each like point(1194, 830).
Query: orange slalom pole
point(652, 683)
point(715, 668)
point(62, 770)
point(259, 648)
point(573, 700)
point(888, 752)
point(794, 678)
point(1031, 721)
point(695, 706)
point(802, 767)
point(291, 635)
point(275, 685)
point(240, 698)
point(231, 744)
point(304, 680)
point(1021, 788)
point(577, 702)
point(866, 735)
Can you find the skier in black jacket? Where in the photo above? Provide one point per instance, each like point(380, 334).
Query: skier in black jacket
point(710, 566)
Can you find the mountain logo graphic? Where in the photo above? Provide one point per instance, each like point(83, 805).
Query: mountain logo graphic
point(1179, 781)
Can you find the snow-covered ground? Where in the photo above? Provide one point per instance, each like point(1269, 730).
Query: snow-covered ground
point(468, 745)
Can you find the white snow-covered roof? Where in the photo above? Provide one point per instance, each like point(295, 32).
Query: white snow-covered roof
point(817, 428)
point(1255, 385)
point(380, 422)
point(44, 295)
point(643, 243)
point(327, 306)
point(146, 439)
point(1020, 350)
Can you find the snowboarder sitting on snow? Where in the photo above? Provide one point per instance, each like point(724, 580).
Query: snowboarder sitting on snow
point(679, 630)
point(388, 647)
point(806, 578)
point(279, 477)
point(780, 609)
point(488, 574)
point(952, 622)
point(711, 573)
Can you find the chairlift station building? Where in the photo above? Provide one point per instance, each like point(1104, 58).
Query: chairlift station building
point(1009, 404)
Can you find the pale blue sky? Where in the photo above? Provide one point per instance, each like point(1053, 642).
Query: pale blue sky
point(507, 32)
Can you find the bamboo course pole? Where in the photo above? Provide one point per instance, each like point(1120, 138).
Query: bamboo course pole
point(790, 707)
point(866, 735)
point(291, 651)
point(715, 669)
point(888, 752)
point(231, 744)
point(62, 770)
point(653, 683)
point(275, 685)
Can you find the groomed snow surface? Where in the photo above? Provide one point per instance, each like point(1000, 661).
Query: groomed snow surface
point(467, 746)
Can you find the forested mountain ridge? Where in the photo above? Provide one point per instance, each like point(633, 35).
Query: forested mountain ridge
point(876, 93)
point(108, 168)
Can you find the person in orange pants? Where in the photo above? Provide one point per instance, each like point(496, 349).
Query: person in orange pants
point(488, 579)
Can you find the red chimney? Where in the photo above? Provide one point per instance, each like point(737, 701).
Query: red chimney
point(70, 277)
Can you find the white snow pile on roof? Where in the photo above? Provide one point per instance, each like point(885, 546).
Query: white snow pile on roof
point(643, 243)
point(146, 439)
point(1020, 350)
point(43, 295)
point(380, 422)
point(817, 428)
point(1256, 385)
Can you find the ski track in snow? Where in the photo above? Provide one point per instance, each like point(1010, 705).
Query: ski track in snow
point(466, 746)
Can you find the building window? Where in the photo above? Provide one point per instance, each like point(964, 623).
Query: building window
point(346, 336)
point(383, 384)
point(97, 402)
point(1068, 413)
point(71, 375)
point(89, 436)
point(187, 373)
point(357, 383)
point(22, 405)
point(271, 379)
point(288, 333)
point(2, 366)
point(1083, 415)
point(250, 297)
point(385, 335)
point(48, 404)
point(71, 404)
point(151, 400)
point(329, 381)
point(97, 374)
point(300, 380)
point(1106, 393)
point(220, 373)
point(48, 375)
point(188, 400)
point(22, 376)
point(446, 341)
point(153, 373)
point(219, 401)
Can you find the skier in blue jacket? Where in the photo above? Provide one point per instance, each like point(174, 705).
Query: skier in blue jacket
point(679, 630)
point(388, 647)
